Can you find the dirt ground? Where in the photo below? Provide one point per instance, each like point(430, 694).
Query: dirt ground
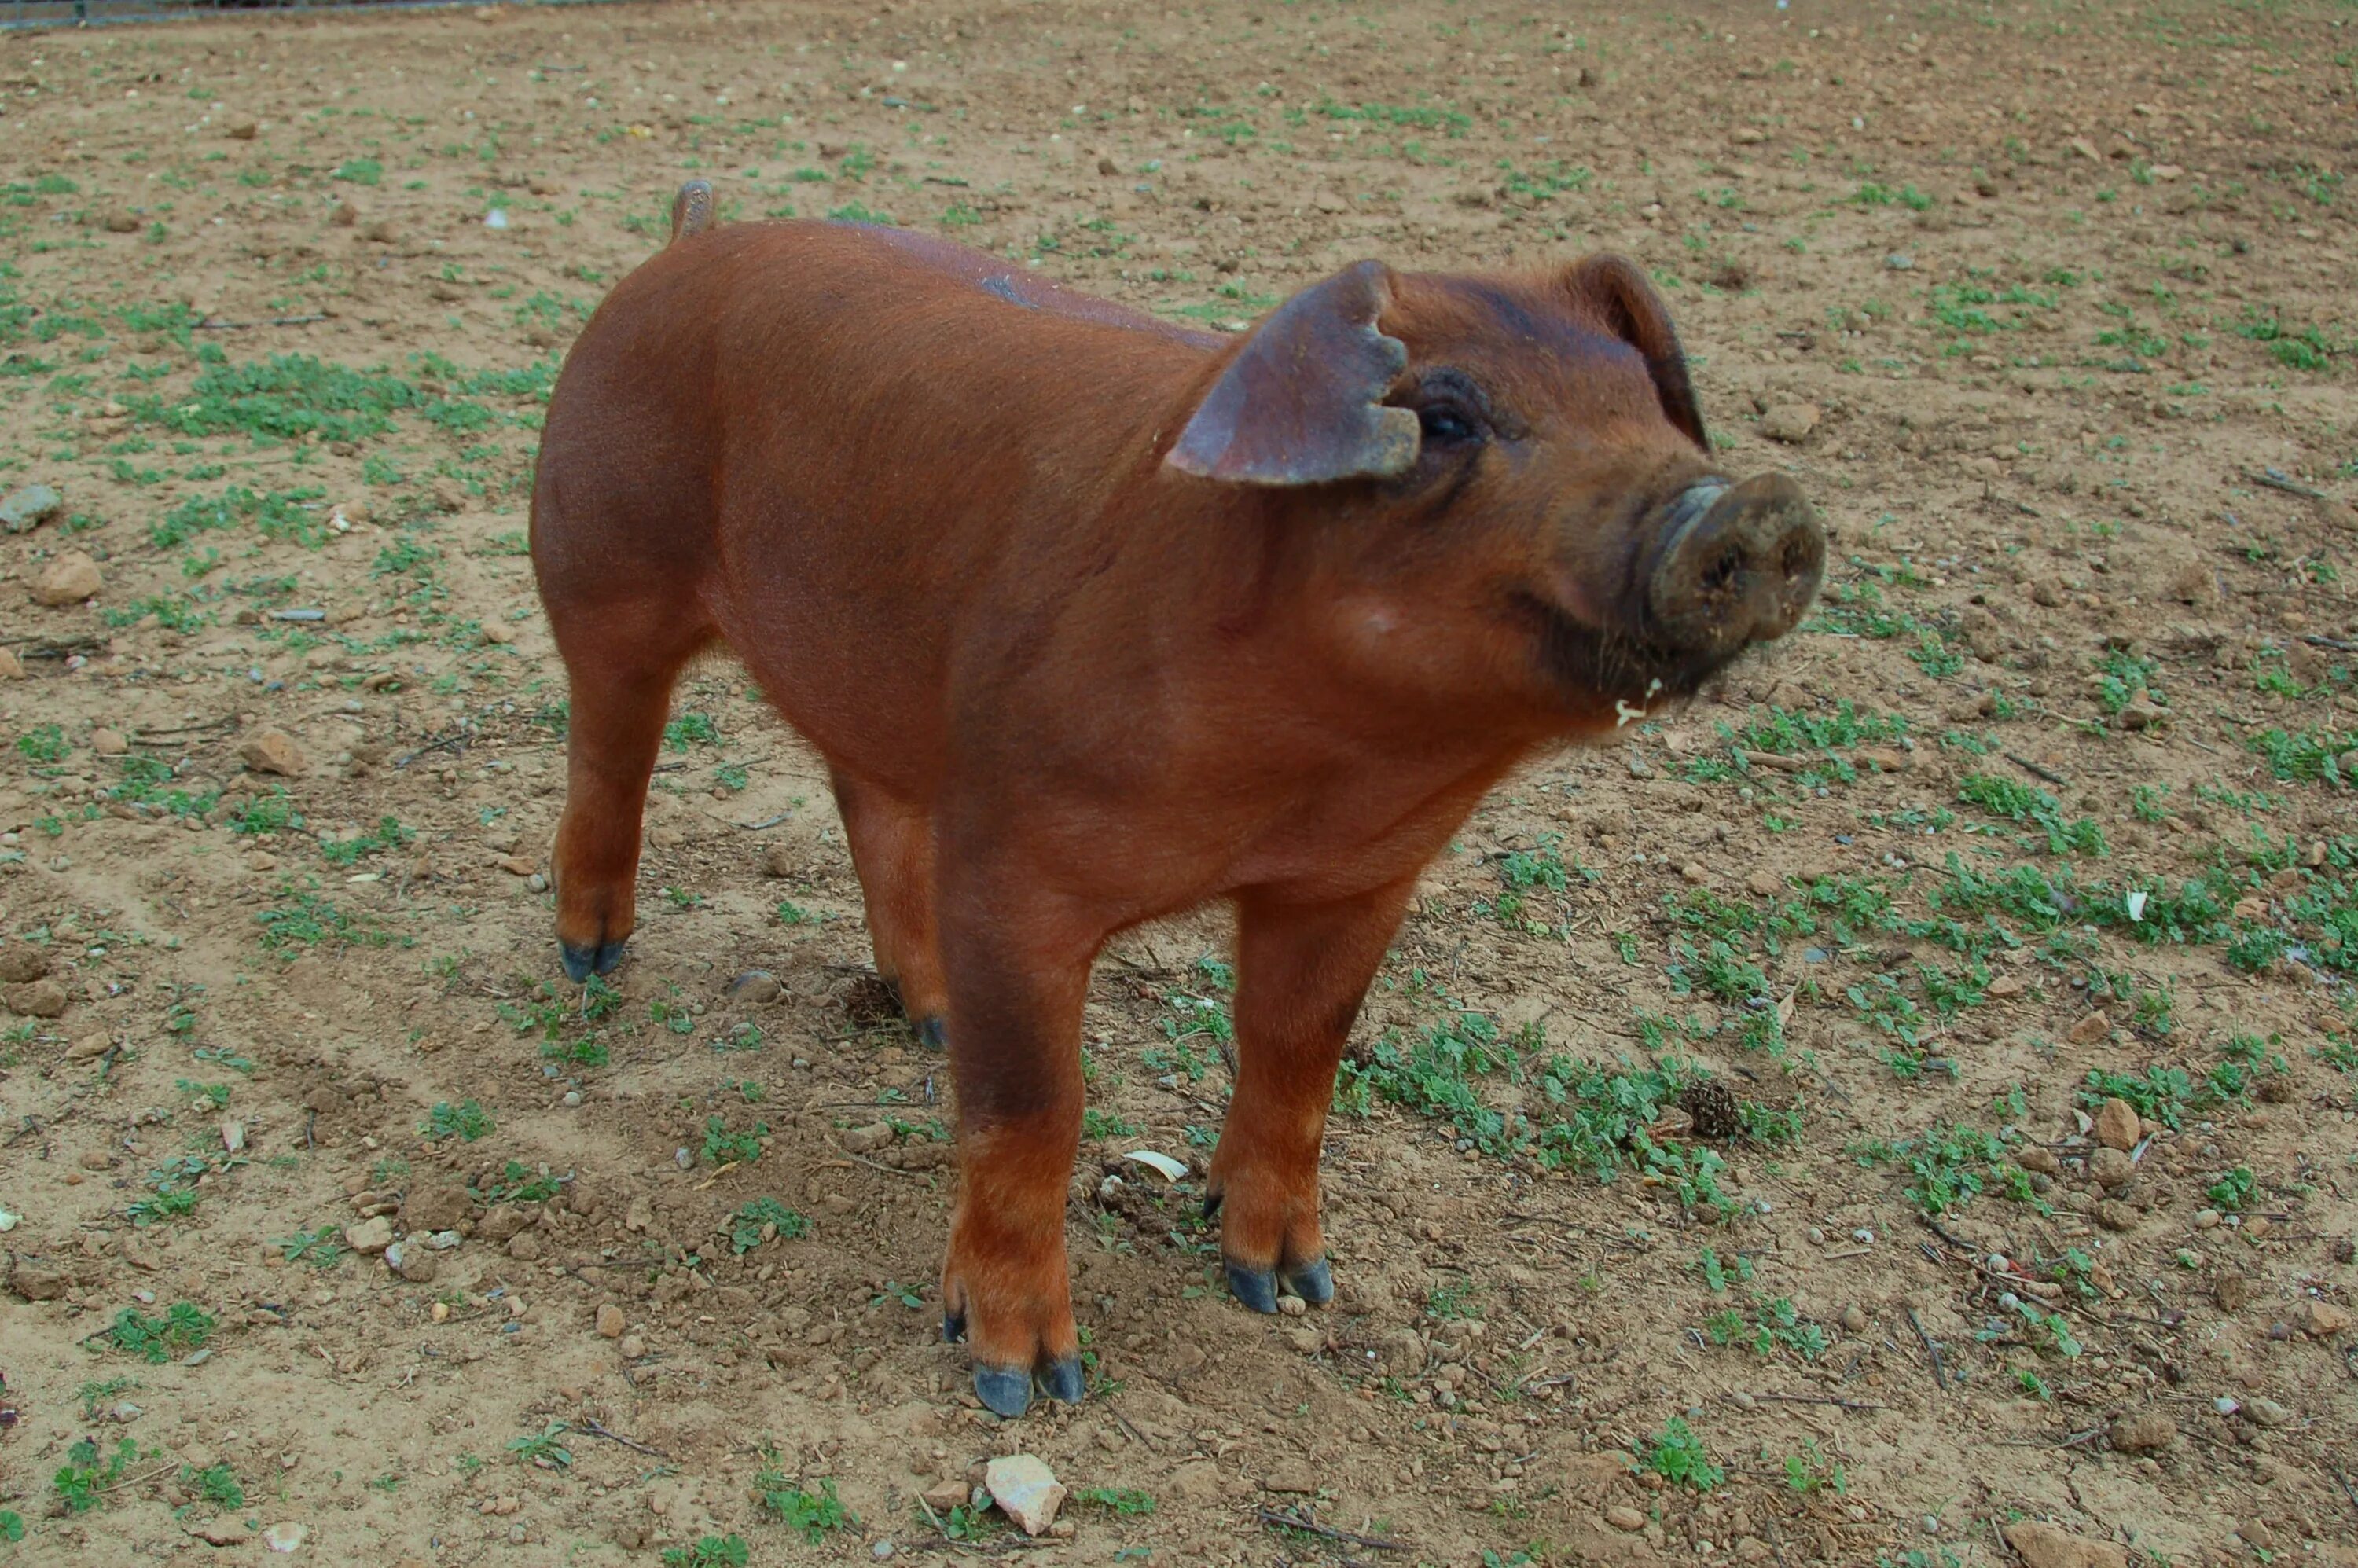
point(2049, 306)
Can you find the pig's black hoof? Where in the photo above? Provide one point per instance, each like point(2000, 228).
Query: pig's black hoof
point(933, 1033)
point(1257, 1288)
point(1313, 1282)
point(583, 961)
point(1007, 1390)
point(953, 1327)
point(1211, 1205)
point(1064, 1381)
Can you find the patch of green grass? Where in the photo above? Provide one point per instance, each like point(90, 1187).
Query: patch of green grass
point(764, 1219)
point(709, 1552)
point(2024, 804)
point(1774, 1324)
point(2232, 1191)
point(724, 1146)
point(466, 1121)
point(1126, 1501)
point(184, 1328)
point(322, 1248)
point(308, 921)
point(389, 834)
point(43, 743)
point(1681, 1457)
point(272, 813)
point(216, 1484)
point(1950, 1166)
point(84, 1477)
point(691, 729)
point(543, 1445)
point(812, 1515)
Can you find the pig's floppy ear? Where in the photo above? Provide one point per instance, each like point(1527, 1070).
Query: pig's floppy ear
point(1303, 402)
point(1617, 292)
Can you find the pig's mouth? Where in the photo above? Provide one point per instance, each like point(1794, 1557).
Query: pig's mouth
point(1628, 676)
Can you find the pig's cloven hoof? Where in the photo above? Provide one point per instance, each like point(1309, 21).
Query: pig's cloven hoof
point(1259, 1288)
point(581, 961)
point(1007, 1390)
point(933, 1033)
point(1313, 1282)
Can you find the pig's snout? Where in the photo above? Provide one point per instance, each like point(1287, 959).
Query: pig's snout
point(1738, 564)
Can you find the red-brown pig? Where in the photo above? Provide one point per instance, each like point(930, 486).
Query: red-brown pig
point(1096, 618)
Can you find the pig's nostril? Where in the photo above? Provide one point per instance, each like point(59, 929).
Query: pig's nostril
point(1723, 571)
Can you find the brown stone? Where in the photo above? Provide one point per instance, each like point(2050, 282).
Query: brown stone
point(438, 1207)
point(1789, 422)
point(610, 1321)
point(2091, 1029)
point(2144, 1432)
point(271, 751)
point(2117, 1121)
point(2110, 1168)
point(69, 578)
point(21, 961)
point(2044, 1546)
point(36, 999)
point(2320, 1320)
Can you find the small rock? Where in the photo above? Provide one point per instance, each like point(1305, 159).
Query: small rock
point(2115, 1216)
point(1292, 1306)
point(2039, 1159)
point(1622, 1516)
point(2116, 1120)
point(944, 1495)
point(632, 1347)
point(2320, 1320)
point(610, 1321)
point(2090, 1030)
point(121, 221)
point(21, 961)
point(26, 508)
point(756, 988)
point(639, 1215)
point(2110, 1168)
point(384, 232)
point(11, 666)
point(439, 1206)
point(1854, 1319)
point(1291, 1476)
point(779, 860)
point(1025, 1489)
point(38, 999)
point(505, 1221)
point(1765, 884)
point(284, 1536)
point(416, 1265)
point(1789, 422)
point(2044, 1546)
point(499, 633)
point(108, 742)
point(525, 1247)
point(90, 1048)
point(69, 578)
point(271, 751)
point(93, 1159)
point(225, 1531)
point(38, 1282)
point(2205, 1218)
point(240, 128)
point(1900, 260)
point(2145, 1432)
point(1693, 872)
point(2006, 985)
point(1883, 758)
point(867, 1140)
point(1306, 1339)
point(369, 1235)
point(2265, 1411)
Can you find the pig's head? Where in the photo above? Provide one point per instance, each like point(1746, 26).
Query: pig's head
point(1502, 489)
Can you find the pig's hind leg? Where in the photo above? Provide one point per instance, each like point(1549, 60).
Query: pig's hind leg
point(892, 846)
point(1302, 973)
point(623, 659)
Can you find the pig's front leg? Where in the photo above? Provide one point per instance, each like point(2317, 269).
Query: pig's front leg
point(1018, 967)
point(1303, 970)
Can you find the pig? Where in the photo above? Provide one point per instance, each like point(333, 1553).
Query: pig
point(1096, 618)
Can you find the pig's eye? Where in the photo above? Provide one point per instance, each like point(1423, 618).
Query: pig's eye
point(1447, 423)
point(1451, 409)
